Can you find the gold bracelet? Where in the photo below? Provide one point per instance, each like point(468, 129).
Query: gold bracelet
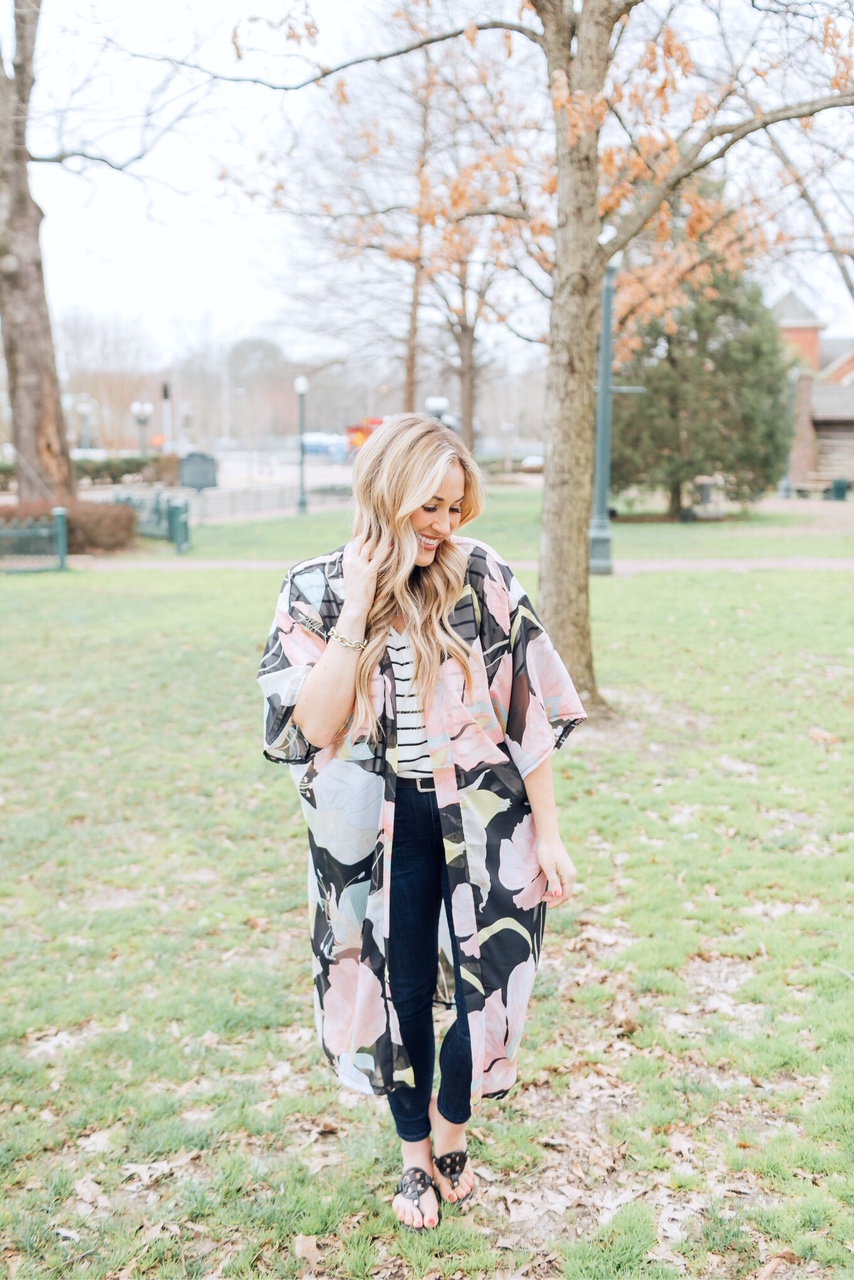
point(332, 634)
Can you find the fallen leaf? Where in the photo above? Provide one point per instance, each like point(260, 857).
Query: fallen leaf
point(148, 1173)
point(774, 1264)
point(101, 1140)
point(87, 1189)
point(305, 1247)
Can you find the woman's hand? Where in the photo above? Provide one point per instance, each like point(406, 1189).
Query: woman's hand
point(360, 567)
point(559, 871)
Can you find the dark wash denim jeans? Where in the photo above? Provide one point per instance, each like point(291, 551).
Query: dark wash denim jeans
point(419, 885)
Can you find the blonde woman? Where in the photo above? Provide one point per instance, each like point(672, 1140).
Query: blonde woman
point(414, 693)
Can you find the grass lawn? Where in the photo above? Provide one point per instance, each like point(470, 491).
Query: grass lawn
point(512, 519)
point(686, 1104)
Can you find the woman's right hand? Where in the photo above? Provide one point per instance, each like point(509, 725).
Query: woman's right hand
point(361, 567)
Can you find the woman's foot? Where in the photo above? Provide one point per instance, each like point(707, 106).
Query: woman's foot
point(449, 1137)
point(422, 1214)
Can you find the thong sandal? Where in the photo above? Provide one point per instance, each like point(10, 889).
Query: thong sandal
point(413, 1183)
point(451, 1166)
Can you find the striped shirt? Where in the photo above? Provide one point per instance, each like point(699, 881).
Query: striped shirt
point(413, 757)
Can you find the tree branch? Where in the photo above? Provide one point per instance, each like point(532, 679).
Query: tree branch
point(836, 253)
point(693, 160)
point(525, 337)
point(323, 73)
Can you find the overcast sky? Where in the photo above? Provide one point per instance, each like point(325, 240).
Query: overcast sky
point(181, 250)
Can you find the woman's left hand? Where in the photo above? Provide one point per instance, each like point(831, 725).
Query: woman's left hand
point(559, 870)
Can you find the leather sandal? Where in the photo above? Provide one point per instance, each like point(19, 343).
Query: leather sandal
point(451, 1166)
point(413, 1183)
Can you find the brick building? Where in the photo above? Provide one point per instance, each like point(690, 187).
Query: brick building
point(823, 448)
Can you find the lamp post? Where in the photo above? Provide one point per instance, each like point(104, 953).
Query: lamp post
point(84, 407)
point(301, 388)
point(600, 525)
point(436, 406)
point(142, 411)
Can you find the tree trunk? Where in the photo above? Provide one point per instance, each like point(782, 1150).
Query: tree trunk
point(410, 385)
point(675, 507)
point(464, 338)
point(573, 340)
point(43, 466)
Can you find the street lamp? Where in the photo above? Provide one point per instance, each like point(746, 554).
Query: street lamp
point(301, 388)
point(142, 411)
point(436, 406)
point(84, 407)
point(600, 525)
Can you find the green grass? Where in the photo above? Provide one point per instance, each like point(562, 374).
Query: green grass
point(512, 519)
point(158, 1050)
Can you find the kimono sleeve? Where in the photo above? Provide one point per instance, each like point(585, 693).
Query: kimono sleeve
point(532, 691)
point(295, 643)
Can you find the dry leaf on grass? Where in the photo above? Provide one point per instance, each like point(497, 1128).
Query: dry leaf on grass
point(230, 1253)
point(773, 1265)
point(155, 1230)
point(88, 1194)
point(305, 1247)
point(147, 1173)
point(100, 1141)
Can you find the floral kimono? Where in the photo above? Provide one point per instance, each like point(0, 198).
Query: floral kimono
point(482, 743)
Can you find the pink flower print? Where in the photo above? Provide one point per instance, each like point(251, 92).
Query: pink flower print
point(497, 601)
point(501, 689)
point(465, 920)
point(518, 867)
point(472, 748)
point(477, 1034)
point(346, 915)
point(354, 1009)
point(504, 1025)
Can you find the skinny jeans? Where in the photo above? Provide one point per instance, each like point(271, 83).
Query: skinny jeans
point(419, 886)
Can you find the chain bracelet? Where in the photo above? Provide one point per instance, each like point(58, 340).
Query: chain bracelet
point(333, 634)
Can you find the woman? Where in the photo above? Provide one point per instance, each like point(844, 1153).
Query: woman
point(411, 687)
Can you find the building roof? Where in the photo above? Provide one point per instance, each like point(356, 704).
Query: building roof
point(791, 313)
point(834, 354)
point(832, 402)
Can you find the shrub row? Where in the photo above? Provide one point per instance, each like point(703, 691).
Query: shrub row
point(159, 469)
point(92, 526)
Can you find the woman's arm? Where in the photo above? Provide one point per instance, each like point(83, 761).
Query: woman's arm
point(329, 691)
point(551, 854)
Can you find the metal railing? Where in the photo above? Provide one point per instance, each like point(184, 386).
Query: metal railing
point(34, 543)
point(160, 516)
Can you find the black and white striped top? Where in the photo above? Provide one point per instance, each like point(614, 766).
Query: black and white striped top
point(413, 758)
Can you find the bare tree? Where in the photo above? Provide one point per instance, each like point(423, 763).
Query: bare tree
point(39, 430)
point(44, 467)
point(645, 96)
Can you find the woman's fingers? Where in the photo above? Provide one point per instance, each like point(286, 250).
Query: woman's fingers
point(559, 871)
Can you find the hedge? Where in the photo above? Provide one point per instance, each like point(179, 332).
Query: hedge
point(92, 526)
point(157, 469)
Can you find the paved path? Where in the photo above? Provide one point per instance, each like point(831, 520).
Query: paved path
point(622, 568)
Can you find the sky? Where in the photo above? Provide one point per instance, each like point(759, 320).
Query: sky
point(176, 248)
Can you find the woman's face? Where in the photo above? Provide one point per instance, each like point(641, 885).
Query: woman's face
point(438, 518)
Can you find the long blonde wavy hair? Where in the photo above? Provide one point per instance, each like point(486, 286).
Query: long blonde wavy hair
point(397, 470)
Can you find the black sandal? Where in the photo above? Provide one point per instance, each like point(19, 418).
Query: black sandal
point(451, 1166)
point(413, 1183)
